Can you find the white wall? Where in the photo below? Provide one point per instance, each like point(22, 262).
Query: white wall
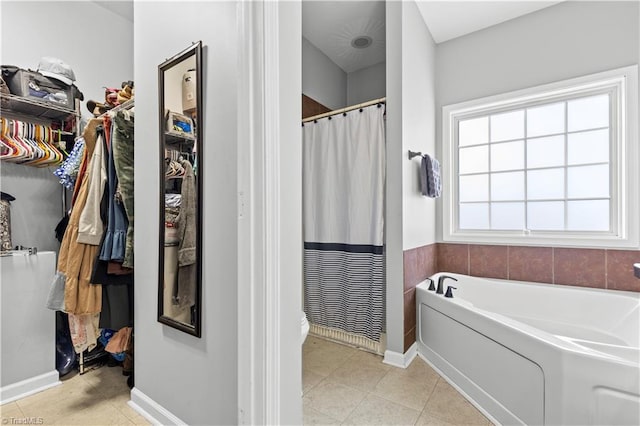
point(393, 200)
point(290, 17)
point(95, 42)
point(195, 379)
point(366, 84)
point(322, 79)
point(418, 126)
point(567, 40)
point(29, 31)
point(410, 217)
point(28, 329)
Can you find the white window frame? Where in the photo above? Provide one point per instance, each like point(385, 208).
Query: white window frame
point(624, 160)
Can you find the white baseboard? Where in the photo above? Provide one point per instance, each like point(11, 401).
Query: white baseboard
point(401, 360)
point(28, 387)
point(151, 410)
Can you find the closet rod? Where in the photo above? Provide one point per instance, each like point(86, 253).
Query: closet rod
point(127, 105)
point(347, 109)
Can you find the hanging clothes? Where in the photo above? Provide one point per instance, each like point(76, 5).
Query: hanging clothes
point(76, 259)
point(113, 247)
point(84, 331)
point(187, 268)
point(69, 169)
point(116, 280)
point(90, 228)
point(123, 159)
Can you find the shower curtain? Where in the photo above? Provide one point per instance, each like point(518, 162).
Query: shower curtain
point(343, 208)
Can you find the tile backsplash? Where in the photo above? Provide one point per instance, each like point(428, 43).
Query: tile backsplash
point(597, 268)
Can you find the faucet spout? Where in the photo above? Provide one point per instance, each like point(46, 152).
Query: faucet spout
point(440, 289)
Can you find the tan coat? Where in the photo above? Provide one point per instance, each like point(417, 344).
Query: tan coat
point(76, 260)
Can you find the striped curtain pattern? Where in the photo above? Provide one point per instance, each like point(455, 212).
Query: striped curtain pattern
point(343, 192)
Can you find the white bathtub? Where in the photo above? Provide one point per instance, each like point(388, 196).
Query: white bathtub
point(528, 353)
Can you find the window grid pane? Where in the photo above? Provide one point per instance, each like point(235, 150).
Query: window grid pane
point(551, 206)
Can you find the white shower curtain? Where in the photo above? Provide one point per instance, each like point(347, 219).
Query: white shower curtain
point(343, 207)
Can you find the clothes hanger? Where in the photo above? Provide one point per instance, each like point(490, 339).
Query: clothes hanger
point(16, 135)
point(60, 144)
point(45, 154)
point(21, 151)
point(27, 135)
point(30, 137)
point(56, 147)
point(7, 150)
point(47, 134)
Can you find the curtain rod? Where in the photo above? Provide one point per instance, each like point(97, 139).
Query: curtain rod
point(346, 109)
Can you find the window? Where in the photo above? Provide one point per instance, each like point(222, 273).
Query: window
point(557, 162)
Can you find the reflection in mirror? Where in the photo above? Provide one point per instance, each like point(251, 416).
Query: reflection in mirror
point(180, 262)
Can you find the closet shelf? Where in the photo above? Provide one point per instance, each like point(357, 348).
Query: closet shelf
point(174, 138)
point(35, 108)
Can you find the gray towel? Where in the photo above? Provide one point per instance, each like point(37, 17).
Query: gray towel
point(430, 182)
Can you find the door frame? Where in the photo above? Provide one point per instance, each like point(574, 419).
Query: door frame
point(269, 212)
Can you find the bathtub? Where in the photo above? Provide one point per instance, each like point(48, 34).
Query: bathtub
point(529, 353)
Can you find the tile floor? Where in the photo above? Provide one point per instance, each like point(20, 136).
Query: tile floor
point(98, 397)
point(341, 385)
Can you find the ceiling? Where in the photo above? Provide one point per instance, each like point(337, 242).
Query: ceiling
point(331, 25)
point(122, 8)
point(447, 20)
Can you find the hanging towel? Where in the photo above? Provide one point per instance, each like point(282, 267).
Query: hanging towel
point(430, 177)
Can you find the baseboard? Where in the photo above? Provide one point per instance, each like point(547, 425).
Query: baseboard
point(401, 360)
point(151, 410)
point(28, 387)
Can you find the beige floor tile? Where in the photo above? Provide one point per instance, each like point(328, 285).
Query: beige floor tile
point(403, 387)
point(359, 374)
point(447, 404)
point(61, 401)
point(102, 414)
point(315, 417)
point(139, 420)
point(325, 360)
point(426, 419)
point(99, 391)
point(10, 410)
point(132, 415)
point(104, 375)
point(311, 343)
point(419, 368)
point(333, 399)
point(378, 411)
point(309, 380)
point(369, 358)
point(115, 389)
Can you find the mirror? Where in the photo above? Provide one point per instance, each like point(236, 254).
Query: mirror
point(180, 257)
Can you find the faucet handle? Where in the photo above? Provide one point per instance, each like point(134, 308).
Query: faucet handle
point(449, 293)
point(432, 286)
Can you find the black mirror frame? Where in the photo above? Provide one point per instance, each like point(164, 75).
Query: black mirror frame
point(196, 329)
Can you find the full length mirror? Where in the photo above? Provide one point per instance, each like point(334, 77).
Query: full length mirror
point(180, 260)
